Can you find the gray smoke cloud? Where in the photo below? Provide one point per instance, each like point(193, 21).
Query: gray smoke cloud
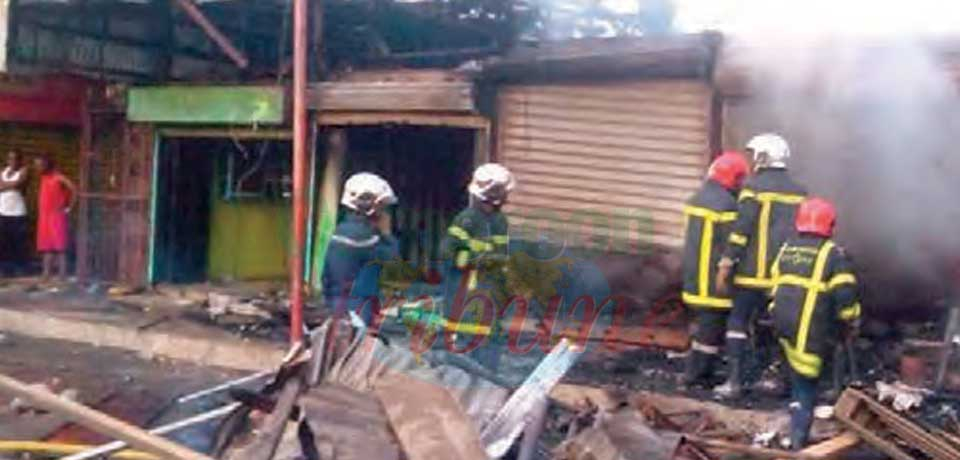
point(875, 128)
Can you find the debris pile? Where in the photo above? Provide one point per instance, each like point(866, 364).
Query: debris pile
point(377, 394)
point(603, 425)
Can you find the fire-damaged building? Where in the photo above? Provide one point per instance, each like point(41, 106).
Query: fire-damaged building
point(177, 130)
point(610, 137)
point(210, 149)
point(607, 138)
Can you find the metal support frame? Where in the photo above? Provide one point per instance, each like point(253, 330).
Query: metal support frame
point(98, 421)
point(300, 164)
point(109, 448)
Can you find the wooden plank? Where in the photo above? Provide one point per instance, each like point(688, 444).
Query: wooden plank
point(861, 414)
point(98, 421)
point(659, 337)
point(277, 134)
point(413, 97)
point(834, 447)
point(264, 445)
point(402, 118)
point(402, 75)
point(578, 397)
point(750, 451)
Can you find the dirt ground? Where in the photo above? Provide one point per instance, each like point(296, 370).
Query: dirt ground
point(120, 383)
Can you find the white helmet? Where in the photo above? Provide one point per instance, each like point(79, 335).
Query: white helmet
point(769, 151)
point(491, 183)
point(366, 192)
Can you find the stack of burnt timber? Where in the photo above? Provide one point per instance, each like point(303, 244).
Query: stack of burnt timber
point(891, 433)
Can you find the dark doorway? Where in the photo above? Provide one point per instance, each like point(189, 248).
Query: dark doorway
point(184, 189)
point(429, 169)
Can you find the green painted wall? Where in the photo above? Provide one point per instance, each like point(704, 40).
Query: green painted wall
point(248, 240)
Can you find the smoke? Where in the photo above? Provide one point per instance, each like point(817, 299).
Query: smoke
point(874, 127)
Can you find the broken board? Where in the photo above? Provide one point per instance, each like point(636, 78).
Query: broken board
point(887, 431)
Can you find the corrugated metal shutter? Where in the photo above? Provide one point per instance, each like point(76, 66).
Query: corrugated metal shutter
point(621, 157)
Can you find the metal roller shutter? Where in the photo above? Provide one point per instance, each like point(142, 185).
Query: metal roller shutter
point(608, 166)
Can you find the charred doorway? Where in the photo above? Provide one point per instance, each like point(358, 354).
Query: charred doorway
point(222, 210)
point(429, 168)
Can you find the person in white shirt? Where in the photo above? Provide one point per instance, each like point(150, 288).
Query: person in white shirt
point(14, 231)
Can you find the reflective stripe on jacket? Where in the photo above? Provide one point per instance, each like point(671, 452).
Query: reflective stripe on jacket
point(474, 233)
point(765, 218)
point(815, 292)
point(708, 217)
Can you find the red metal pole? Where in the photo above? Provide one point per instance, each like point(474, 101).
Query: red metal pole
point(300, 162)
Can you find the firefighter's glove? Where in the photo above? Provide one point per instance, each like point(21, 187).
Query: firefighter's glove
point(724, 268)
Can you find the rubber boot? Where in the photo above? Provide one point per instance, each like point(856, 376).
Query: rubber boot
point(695, 368)
point(733, 388)
point(800, 422)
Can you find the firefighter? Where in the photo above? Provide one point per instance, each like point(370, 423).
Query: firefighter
point(815, 300)
point(709, 215)
point(476, 244)
point(360, 242)
point(766, 210)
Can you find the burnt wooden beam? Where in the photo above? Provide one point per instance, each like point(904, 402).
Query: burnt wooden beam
point(408, 97)
point(209, 28)
point(98, 421)
point(464, 121)
point(264, 445)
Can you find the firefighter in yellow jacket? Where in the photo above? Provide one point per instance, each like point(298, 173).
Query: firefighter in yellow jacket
point(765, 215)
point(709, 215)
point(815, 300)
point(477, 243)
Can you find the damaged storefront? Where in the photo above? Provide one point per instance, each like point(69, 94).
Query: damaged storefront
point(608, 139)
point(221, 182)
point(419, 129)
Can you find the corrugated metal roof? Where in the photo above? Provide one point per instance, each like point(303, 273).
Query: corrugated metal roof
point(685, 55)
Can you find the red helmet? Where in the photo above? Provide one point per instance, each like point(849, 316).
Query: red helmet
point(817, 216)
point(729, 169)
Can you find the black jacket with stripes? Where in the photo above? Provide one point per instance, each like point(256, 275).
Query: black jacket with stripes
point(709, 216)
point(814, 293)
point(765, 219)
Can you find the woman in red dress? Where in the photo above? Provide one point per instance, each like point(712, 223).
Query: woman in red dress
point(57, 197)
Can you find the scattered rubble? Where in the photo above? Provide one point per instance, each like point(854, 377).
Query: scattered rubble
point(223, 304)
point(903, 397)
point(622, 435)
